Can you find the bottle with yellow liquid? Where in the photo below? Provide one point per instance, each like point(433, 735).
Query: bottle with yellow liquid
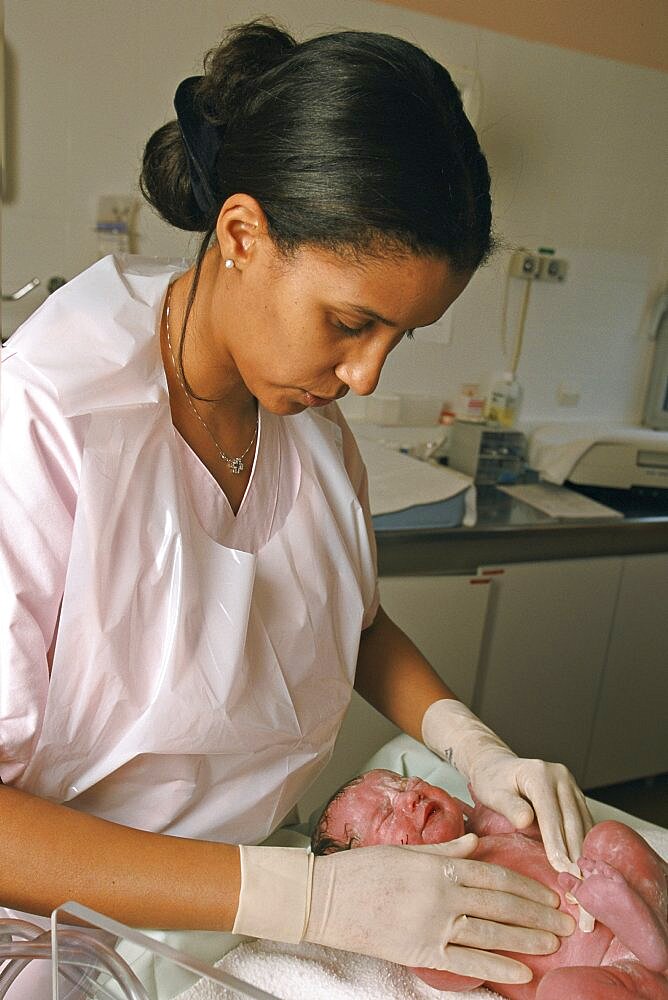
point(503, 400)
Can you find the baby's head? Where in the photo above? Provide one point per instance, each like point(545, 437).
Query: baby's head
point(382, 807)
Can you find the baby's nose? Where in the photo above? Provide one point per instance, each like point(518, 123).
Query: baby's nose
point(409, 799)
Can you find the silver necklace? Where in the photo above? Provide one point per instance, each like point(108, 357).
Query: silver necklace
point(235, 465)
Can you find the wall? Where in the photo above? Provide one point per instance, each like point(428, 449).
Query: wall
point(576, 145)
point(633, 31)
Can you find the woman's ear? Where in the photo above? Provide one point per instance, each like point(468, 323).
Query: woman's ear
point(241, 224)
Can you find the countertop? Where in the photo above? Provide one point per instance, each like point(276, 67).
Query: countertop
point(508, 531)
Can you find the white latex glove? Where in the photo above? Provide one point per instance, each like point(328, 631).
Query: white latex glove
point(516, 787)
point(424, 906)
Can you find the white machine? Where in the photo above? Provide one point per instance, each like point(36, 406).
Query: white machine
point(639, 461)
point(600, 454)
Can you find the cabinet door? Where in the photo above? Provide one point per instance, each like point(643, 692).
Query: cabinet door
point(630, 737)
point(445, 617)
point(545, 645)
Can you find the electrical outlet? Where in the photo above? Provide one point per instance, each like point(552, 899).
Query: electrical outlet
point(552, 268)
point(116, 208)
point(568, 394)
point(525, 264)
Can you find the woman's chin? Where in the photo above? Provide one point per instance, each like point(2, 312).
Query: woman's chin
point(283, 407)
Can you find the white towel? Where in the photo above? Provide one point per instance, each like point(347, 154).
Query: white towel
point(310, 972)
point(555, 449)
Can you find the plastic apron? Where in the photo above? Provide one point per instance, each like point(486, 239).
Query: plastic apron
point(196, 689)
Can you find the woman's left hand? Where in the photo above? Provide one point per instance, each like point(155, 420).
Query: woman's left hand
point(520, 788)
point(517, 787)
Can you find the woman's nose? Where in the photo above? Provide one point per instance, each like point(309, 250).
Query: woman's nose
point(361, 368)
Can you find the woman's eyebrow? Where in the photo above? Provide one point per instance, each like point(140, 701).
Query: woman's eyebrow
point(369, 312)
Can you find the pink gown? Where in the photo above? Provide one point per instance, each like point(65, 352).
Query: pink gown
point(166, 664)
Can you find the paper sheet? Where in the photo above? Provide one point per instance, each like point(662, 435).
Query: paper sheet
point(558, 501)
point(398, 481)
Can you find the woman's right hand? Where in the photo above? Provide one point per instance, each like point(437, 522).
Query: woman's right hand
point(426, 906)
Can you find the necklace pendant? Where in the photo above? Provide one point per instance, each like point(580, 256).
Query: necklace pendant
point(236, 466)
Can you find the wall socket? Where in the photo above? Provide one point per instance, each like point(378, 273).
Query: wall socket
point(533, 266)
point(525, 264)
point(568, 394)
point(552, 268)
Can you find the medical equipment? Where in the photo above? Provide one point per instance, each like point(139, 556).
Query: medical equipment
point(623, 465)
point(81, 958)
point(488, 454)
point(86, 958)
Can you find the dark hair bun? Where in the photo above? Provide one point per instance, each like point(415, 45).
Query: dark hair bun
point(232, 70)
point(229, 82)
point(165, 180)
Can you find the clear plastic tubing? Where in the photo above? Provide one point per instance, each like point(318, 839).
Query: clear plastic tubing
point(76, 947)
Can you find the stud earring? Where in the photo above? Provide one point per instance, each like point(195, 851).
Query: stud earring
point(229, 263)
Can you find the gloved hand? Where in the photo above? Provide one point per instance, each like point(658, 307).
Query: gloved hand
point(516, 787)
point(425, 906)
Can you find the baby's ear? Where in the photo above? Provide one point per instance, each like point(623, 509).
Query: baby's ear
point(336, 848)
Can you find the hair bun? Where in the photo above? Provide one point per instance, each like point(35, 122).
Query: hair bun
point(230, 70)
point(246, 52)
point(165, 180)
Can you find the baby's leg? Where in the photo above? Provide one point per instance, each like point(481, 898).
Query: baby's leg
point(625, 888)
point(622, 981)
point(633, 858)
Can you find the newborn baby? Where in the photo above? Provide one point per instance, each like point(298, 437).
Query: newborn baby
point(624, 957)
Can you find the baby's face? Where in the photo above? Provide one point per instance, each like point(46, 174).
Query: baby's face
point(384, 808)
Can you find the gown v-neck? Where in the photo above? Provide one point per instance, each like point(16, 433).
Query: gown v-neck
point(267, 500)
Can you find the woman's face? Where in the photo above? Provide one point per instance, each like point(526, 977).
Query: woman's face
point(304, 331)
point(384, 808)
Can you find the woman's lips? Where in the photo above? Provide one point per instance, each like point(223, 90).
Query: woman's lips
point(313, 400)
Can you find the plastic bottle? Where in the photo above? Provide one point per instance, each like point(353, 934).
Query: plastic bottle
point(503, 400)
